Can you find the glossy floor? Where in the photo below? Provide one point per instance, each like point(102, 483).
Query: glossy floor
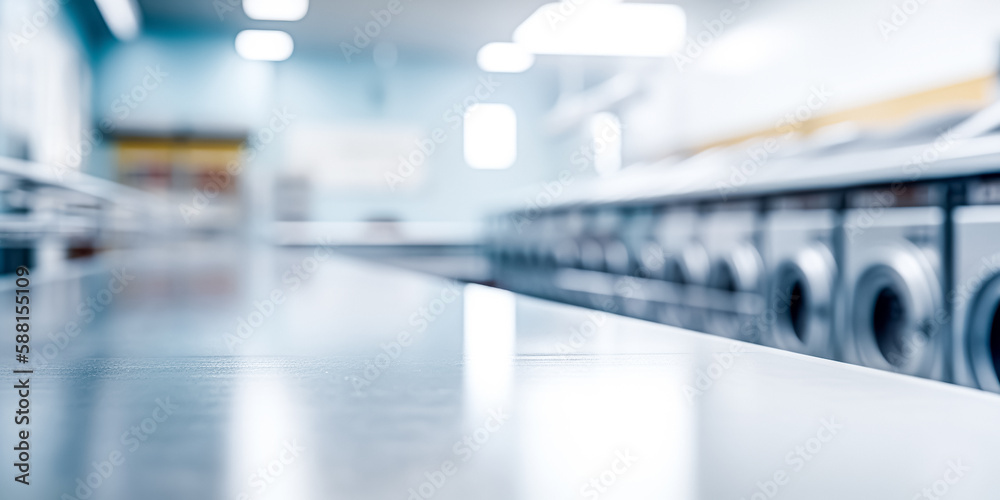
point(216, 372)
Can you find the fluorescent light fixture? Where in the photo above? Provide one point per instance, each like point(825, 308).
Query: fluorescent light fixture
point(490, 136)
point(603, 29)
point(501, 57)
point(121, 16)
point(264, 45)
point(276, 10)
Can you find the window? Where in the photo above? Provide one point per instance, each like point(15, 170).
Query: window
point(490, 136)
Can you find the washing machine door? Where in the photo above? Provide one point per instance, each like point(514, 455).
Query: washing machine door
point(652, 260)
point(592, 255)
point(982, 336)
point(738, 271)
point(735, 296)
point(689, 267)
point(801, 300)
point(897, 313)
point(616, 257)
point(566, 253)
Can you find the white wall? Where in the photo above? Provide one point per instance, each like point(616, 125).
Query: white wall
point(787, 47)
point(44, 81)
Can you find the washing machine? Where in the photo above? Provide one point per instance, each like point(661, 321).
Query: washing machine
point(504, 248)
point(499, 236)
point(590, 252)
point(510, 239)
point(734, 296)
point(675, 252)
point(894, 245)
point(522, 257)
point(799, 249)
point(575, 242)
point(602, 247)
point(564, 231)
point(637, 235)
point(676, 257)
point(975, 298)
point(637, 288)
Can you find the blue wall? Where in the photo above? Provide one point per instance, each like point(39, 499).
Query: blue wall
point(210, 89)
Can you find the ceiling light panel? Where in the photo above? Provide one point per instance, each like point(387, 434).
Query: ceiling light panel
point(603, 29)
point(264, 45)
point(276, 10)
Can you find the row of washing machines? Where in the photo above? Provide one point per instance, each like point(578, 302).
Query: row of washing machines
point(900, 276)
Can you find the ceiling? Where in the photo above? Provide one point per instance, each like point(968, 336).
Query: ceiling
point(452, 28)
point(446, 28)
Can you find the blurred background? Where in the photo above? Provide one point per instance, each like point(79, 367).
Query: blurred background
point(818, 177)
point(408, 122)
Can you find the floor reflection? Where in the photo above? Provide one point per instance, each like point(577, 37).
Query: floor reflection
point(370, 382)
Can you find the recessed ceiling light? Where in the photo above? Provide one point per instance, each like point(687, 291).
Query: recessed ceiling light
point(264, 45)
point(603, 29)
point(276, 10)
point(500, 57)
point(121, 16)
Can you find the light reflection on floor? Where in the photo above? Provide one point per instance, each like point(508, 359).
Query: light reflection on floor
point(486, 381)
